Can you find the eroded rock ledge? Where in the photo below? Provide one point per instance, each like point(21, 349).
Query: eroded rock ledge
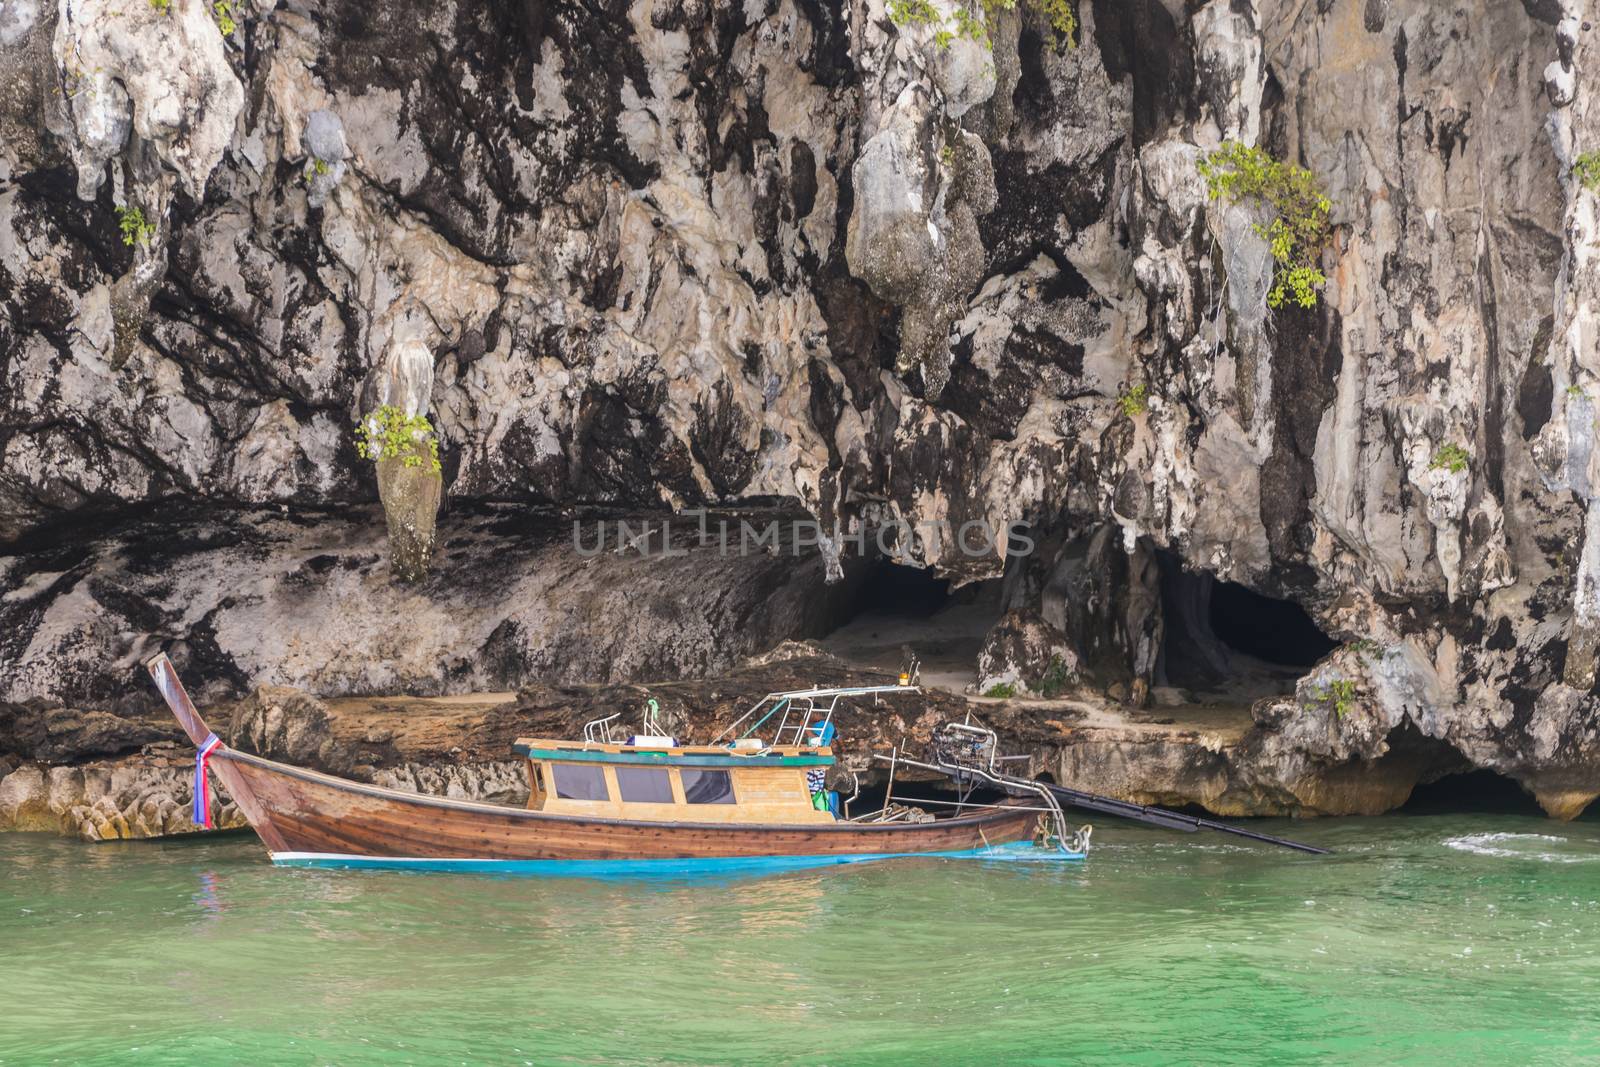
point(1228, 762)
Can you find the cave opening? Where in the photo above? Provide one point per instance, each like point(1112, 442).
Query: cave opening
point(896, 591)
point(1476, 792)
point(896, 607)
point(1271, 630)
point(937, 797)
point(1222, 639)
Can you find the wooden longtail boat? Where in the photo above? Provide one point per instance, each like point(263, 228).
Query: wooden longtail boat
point(609, 807)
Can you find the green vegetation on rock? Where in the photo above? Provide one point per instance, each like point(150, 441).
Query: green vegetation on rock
point(161, 7)
point(1299, 231)
point(1451, 457)
point(1056, 679)
point(1135, 401)
point(966, 22)
point(1340, 694)
point(224, 13)
point(1586, 168)
point(135, 229)
point(389, 433)
point(1003, 691)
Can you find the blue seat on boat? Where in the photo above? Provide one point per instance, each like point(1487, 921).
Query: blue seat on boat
point(820, 733)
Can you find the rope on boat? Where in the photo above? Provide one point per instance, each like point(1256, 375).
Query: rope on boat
point(202, 791)
point(896, 812)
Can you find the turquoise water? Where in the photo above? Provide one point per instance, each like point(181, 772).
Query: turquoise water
point(1425, 939)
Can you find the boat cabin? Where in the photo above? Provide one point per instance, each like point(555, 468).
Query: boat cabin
point(699, 783)
point(753, 772)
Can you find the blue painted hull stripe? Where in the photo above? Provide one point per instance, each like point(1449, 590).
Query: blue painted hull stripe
point(1025, 853)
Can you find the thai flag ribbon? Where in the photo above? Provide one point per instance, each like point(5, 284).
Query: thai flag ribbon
point(202, 794)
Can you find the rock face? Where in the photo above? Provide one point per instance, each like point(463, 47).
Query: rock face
point(1014, 651)
point(108, 800)
point(307, 601)
point(686, 254)
point(37, 731)
point(410, 497)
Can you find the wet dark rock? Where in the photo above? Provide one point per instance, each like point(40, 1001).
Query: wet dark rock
point(34, 731)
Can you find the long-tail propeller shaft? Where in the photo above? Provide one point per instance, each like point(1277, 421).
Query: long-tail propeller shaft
point(967, 753)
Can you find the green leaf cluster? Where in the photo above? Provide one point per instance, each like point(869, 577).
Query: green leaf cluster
point(1003, 691)
point(1135, 401)
point(224, 12)
point(389, 432)
point(1586, 168)
point(135, 229)
point(1299, 231)
point(1056, 679)
point(1451, 457)
point(965, 21)
point(1340, 693)
point(161, 7)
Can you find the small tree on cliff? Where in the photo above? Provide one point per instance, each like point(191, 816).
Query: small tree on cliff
point(1298, 233)
point(965, 21)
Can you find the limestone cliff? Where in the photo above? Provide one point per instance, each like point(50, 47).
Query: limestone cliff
point(681, 253)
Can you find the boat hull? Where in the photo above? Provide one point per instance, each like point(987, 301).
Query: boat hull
point(307, 818)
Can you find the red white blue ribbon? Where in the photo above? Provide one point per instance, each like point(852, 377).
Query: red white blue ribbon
point(202, 793)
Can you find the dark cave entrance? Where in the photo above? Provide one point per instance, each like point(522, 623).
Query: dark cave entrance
point(1476, 792)
point(1271, 630)
point(895, 607)
point(900, 592)
point(1224, 639)
point(936, 797)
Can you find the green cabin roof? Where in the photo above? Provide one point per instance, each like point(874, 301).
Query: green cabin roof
point(666, 759)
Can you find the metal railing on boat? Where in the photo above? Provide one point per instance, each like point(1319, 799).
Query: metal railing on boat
point(980, 751)
point(598, 731)
point(800, 710)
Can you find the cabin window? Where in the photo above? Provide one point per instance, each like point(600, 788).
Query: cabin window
point(574, 781)
point(645, 785)
point(707, 787)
